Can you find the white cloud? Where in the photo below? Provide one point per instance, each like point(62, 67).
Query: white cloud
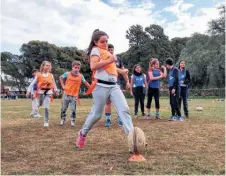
point(71, 22)
point(187, 23)
point(118, 2)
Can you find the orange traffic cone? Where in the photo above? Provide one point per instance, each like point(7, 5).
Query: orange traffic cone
point(137, 158)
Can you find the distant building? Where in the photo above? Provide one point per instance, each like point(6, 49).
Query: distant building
point(6, 86)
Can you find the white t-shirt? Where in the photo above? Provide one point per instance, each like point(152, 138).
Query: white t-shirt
point(101, 74)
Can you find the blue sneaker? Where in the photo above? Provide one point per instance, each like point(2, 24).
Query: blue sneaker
point(179, 118)
point(108, 123)
point(119, 122)
point(173, 118)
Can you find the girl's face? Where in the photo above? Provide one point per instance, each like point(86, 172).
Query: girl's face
point(156, 65)
point(182, 64)
point(46, 67)
point(138, 69)
point(102, 42)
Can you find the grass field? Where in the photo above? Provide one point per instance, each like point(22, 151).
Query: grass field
point(195, 146)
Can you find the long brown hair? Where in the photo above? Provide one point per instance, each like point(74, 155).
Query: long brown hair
point(95, 37)
point(179, 64)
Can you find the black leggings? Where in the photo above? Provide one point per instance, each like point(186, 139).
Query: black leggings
point(139, 96)
point(174, 102)
point(184, 96)
point(153, 92)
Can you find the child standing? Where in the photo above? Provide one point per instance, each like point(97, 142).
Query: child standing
point(154, 75)
point(185, 81)
point(124, 72)
point(103, 63)
point(174, 90)
point(71, 88)
point(46, 86)
point(34, 101)
point(138, 88)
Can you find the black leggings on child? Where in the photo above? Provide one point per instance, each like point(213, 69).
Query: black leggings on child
point(139, 95)
point(153, 92)
point(174, 102)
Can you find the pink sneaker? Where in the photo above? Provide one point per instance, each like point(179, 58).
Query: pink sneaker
point(148, 117)
point(80, 140)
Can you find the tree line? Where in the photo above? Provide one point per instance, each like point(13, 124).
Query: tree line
point(204, 54)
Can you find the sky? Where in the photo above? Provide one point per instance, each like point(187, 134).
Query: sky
point(71, 22)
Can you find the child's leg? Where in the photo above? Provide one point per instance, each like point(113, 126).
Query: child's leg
point(34, 106)
point(65, 101)
point(136, 97)
point(157, 105)
point(176, 104)
point(185, 101)
point(46, 102)
point(100, 96)
point(107, 110)
point(72, 108)
point(148, 106)
point(40, 99)
point(142, 97)
point(180, 98)
point(172, 103)
point(122, 108)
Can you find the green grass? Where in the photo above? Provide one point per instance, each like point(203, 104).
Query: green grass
point(193, 147)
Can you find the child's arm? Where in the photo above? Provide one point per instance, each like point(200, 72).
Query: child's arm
point(96, 64)
point(164, 72)
point(87, 84)
point(176, 81)
point(61, 82)
point(131, 86)
point(125, 77)
point(55, 87)
point(145, 82)
point(188, 78)
point(152, 78)
point(62, 78)
point(31, 86)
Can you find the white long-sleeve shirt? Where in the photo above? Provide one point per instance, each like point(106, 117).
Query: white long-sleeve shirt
point(42, 91)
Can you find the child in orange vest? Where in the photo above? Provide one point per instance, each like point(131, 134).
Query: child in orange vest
point(71, 88)
point(45, 87)
point(103, 63)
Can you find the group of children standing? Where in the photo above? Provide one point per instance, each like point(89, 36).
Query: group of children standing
point(106, 90)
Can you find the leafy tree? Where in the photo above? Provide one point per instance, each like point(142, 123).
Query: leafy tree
point(177, 45)
point(217, 26)
point(12, 66)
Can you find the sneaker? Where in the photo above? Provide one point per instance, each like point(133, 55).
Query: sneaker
point(46, 124)
point(173, 118)
point(119, 123)
point(135, 116)
point(148, 117)
point(62, 122)
point(179, 118)
point(157, 118)
point(108, 123)
point(80, 140)
point(32, 114)
point(38, 115)
point(186, 116)
point(72, 123)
